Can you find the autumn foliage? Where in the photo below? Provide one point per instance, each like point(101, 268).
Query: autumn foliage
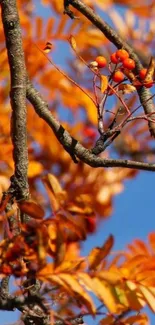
point(100, 103)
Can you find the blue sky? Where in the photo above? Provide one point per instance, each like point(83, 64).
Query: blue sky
point(133, 215)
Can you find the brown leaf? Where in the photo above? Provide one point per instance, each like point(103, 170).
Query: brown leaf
point(47, 47)
point(31, 208)
point(150, 71)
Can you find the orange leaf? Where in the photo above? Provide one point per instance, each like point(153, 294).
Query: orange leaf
point(152, 241)
point(31, 208)
point(135, 302)
point(35, 169)
point(99, 253)
point(149, 297)
point(107, 320)
point(104, 83)
point(141, 319)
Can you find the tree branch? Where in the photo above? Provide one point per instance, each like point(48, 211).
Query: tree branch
point(12, 30)
point(70, 144)
point(113, 37)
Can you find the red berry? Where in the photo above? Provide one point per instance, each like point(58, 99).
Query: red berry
point(122, 54)
point(89, 132)
point(142, 73)
point(113, 58)
point(129, 64)
point(101, 60)
point(118, 76)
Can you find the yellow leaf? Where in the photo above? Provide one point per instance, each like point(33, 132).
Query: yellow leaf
point(53, 183)
point(121, 296)
point(133, 298)
point(148, 297)
point(35, 169)
point(86, 280)
point(76, 287)
point(72, 42)
point(105, 294)
point(111, 277)
point(56, 194)
point(31, 208)
point(104, 83)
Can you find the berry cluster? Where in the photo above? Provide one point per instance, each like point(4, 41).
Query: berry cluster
point(123, 63)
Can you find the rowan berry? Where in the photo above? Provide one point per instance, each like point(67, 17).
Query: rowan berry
point(101, 60)
point(142, 73)
point(129, 64)
point(122, 55)
point(118, 76)
point(113, 58)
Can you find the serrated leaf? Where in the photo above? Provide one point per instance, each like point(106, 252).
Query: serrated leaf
point(99, 253)
point(105, 294)
point(76, 287)
point(103, 83)
point(148, 297)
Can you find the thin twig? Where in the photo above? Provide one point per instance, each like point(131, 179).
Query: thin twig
point(112, 36)
point(70, 144)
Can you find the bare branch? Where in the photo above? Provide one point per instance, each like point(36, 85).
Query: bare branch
point(113, 37)
point(70, 144)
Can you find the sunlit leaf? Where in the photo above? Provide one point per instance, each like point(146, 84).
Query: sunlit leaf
point(148, 297)
point(72, 42)
point(105, 294)
point(99, 253)
point(75, 286)
point(104, 83)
